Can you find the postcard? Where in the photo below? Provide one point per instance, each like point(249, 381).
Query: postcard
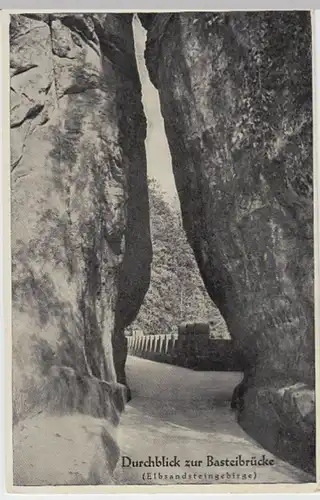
point(162, 320)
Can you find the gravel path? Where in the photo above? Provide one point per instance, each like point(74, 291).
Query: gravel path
point(176, 412)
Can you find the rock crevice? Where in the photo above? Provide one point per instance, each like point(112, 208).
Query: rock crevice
point(236, 96)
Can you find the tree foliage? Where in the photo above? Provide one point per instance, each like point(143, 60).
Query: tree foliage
point(176, 292)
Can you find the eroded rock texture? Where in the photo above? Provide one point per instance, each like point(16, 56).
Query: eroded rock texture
point(235, 93)
point(79, 225)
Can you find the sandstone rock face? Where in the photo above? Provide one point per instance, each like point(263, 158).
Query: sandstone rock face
point(284, 420)
point(236, 97)
point(68, 450)
point(79, 226)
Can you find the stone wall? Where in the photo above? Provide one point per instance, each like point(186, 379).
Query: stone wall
point(193, 352)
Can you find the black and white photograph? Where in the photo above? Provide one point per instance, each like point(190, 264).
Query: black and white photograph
point(162, 248)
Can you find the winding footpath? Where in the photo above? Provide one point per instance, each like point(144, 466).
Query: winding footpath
point(177, 412)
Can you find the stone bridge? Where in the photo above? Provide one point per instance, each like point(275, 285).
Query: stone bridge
point(191, 350)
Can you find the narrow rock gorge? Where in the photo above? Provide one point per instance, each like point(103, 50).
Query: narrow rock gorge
point(236, 96)
point(81, 248)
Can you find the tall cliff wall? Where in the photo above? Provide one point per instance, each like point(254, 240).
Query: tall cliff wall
point(236, 97)
point(81, 248)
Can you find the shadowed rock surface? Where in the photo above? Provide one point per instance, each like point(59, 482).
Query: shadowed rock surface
point(80, 236)
point(236, 97)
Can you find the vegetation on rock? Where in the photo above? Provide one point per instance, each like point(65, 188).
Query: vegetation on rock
point(176, 292)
